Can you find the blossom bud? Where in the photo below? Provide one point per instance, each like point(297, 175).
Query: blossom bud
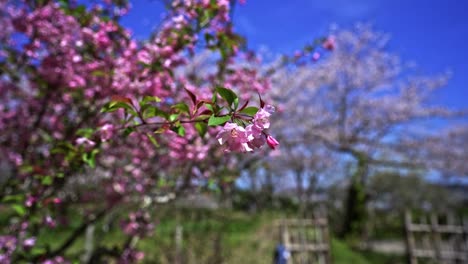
point(272, 142)
point(329, 43)
point(315, 56)
point(30, 200)
point(82, 141)
point(29, 243)
point(49, 222)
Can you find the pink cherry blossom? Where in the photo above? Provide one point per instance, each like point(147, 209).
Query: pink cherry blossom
point(29, 243)
point(261, 119)
point(49, 222)
point(256, 137)
point(66, 67)
point(106, 132)
point(329, 43)
point(82, 141)
point(234, 137)
point(315, 56)
point(30, 200)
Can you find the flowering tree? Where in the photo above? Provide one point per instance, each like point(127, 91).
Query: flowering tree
point(90, 114)
point(361, 103)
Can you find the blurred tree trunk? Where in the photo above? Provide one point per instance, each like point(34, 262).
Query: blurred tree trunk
point(356, 201)
point(300, 191)
point(268, 190)
point(226, 195)
point(311, 189)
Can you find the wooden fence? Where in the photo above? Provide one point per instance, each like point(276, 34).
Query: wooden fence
point(436, 239)
point(307, 240)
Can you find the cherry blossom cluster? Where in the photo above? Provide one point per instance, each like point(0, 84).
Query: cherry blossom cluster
point(138, 224)
point(245, 139)
point(89, 114)
point(7, 247)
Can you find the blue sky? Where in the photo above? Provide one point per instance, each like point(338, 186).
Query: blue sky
point(432, 33)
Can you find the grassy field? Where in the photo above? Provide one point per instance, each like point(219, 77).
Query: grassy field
point(210, 237)
point(235, 238)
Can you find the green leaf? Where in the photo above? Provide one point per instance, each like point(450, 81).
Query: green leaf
point(160, 130)
point(213, 186)
point(115, 105)
point(162, 182)
point(153, 140)
point(26, 169)
point(210, 107)
point(85, 132)
point(46, 180)
point(202, 117)
point(205, 18)
point(19, 209)
point(38, 251)
point(64, 3)
point(218, 120)
point(227, 94)
point(181, 131)
point(154, 111)
point(150, 99)
point(98, 73)
point(214, 98)
point(201, 128)
point(236, 103)
point(13, 198)
point(251, 110)
point(182, 107)
point(208, 38)
point(173, 117)
point(90, 158)
point(128, 131)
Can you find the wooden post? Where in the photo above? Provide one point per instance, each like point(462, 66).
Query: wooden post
point(301, 233)
point(89, 244)
point(319, 239)
point(296, 237)
point(178, 244)
point(448, 241)
point(326, 236)
point(410, 243)
point(286, 240)
point(436, 238)
point(464, 244)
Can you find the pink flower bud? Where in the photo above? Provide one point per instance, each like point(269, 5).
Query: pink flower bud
point(315, 56)
point(272, 142)
point(329, 43)
point(297, 54)
point(29, 243)
point(85, 142)
point(50, 222)
point(30, 200)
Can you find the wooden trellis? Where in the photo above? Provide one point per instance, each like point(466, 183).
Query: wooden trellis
point(307, 240)
point(436, 239)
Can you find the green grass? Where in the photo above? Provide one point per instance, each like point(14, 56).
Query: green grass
point(343, 254)
point(210, 238)
point(380, 258)
point(220, 236)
